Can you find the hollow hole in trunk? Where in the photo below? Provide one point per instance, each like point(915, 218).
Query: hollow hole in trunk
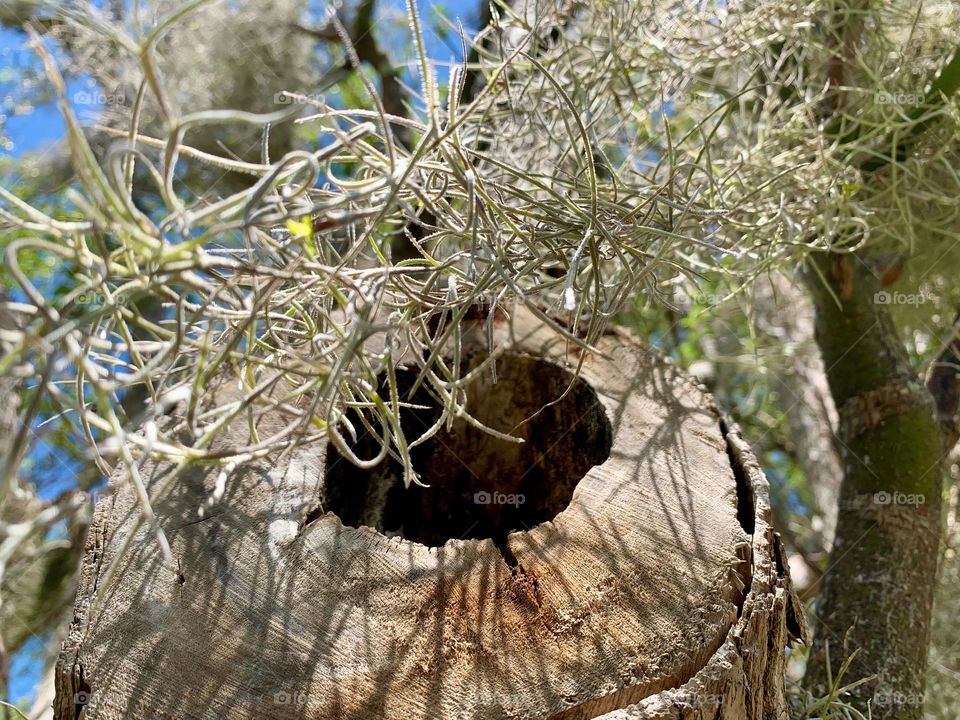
point(480, 486)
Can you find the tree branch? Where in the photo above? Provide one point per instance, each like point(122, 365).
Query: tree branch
point(365, 45)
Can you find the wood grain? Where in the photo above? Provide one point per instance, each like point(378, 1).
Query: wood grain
point(648, 588)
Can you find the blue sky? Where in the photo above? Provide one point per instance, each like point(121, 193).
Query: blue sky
point(43, 124)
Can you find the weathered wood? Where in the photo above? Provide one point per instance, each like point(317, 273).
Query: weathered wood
point(659, 588)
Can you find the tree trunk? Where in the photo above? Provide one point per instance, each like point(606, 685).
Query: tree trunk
point(877, 592)
point(619, 563)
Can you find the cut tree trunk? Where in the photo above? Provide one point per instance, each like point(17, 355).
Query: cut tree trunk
point(619, 563)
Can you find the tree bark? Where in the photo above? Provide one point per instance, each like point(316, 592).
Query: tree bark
point(638, 576)
point(878, 589)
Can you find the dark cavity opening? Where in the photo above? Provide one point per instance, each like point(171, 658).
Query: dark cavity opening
point(480, 486)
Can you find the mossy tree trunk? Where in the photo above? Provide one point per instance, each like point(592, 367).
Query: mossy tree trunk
point(877, 592)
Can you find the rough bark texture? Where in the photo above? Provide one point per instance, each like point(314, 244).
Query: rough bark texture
point(658, 590)
point(745, 678)
point(877, 592)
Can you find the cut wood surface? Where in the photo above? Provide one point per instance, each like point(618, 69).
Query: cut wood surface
point(643, 579)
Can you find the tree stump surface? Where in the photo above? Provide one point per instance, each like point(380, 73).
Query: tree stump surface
point(620, 563)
